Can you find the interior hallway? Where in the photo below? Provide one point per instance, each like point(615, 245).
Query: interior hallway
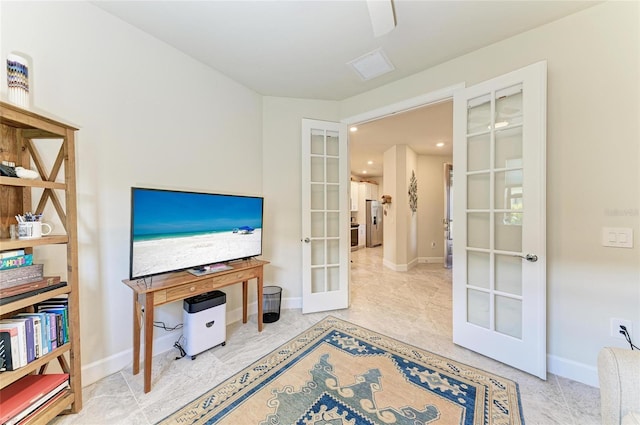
point(413, 306)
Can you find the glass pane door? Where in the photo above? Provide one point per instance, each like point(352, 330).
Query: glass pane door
point(495, 211)
point(325, 209)
point(499, 270)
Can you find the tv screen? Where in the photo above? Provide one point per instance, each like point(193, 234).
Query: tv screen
point(174, 230)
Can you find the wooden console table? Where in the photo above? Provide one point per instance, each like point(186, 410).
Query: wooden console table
point(162, 289)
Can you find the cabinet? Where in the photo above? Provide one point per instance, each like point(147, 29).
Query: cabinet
point(28, 139)
point(354, 196)
point(362, 234)
point(370, 191)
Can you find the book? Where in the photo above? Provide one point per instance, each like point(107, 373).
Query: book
point(60, 306)
point(53, 330)
point(56, 321)
point(27, 419)
point(37, 334)
point(30, 293)
point(57, 301)
point(3, 362)
point(41, 332)
point(12, 253)
point(47, 332)
point(17, 261)
point(62, 323)
point(22, 343)
point(29, 286)
point(20, 275)
point(25, 395)
point(59, 328)
point(29, 336)
point(9, 349)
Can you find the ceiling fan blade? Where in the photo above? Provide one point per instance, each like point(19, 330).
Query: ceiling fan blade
point(383, 18)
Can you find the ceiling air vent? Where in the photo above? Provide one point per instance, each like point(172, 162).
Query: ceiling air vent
point(371, 65)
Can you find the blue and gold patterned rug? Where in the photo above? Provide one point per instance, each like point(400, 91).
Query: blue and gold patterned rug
point(338, 373)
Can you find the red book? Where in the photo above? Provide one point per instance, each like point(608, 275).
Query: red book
point(41, 408)
point(29, 392)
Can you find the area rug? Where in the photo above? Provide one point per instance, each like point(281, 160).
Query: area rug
point(338, 373)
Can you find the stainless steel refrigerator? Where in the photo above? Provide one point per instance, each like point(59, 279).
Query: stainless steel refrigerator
point(374, 224)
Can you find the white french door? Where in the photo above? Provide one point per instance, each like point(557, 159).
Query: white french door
point(447, 221)
point(499, 267)
point(325, 216)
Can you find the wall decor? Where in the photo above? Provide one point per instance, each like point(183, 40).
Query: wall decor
point(413, 192)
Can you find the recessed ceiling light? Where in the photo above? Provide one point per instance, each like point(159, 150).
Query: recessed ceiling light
point(353, 129)
point(364, 171)
point(370, 162)
point(441, 144)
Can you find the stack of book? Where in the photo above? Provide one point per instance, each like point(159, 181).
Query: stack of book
point(22, 400)
point(20, 278)
point(26, 337)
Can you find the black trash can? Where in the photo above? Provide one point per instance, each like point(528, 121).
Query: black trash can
point(271, 298)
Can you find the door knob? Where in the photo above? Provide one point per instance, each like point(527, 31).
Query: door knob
point(529, 257)
point(307, 240)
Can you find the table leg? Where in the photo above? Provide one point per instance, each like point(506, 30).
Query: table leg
point(137, 327)
point(148, 340)
point(259, 285)
point(245, 299)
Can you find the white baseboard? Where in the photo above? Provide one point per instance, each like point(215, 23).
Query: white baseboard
point(393, 266)
point(95, 371)
point(431, 260)
point(400, 267)
point(573, 370)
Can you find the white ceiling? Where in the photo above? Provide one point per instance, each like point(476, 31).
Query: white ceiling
point(420, 129)
point(301, 48)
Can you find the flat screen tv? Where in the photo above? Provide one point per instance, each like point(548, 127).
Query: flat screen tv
point(175, 230)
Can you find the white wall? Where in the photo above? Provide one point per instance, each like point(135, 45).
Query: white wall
point(389, 229)
point(400, 229)
point(430, 176)
point(411, 218)
point(148, 116)
point(593, 166)
point(282, 154)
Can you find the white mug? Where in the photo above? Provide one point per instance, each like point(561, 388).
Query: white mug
point(32, 230)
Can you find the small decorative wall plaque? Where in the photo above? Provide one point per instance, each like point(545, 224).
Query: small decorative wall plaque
point(413, 192)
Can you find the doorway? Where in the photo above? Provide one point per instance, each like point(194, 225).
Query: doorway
point(425, 126)
point(504, 296)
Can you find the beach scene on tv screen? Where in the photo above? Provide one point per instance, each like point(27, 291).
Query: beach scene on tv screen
point(179, 230)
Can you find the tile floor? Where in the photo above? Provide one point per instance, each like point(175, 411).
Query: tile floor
point(413, 306)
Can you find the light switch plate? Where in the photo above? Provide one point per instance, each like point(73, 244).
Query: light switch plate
point(617, 237)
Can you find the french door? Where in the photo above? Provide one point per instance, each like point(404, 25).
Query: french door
point(499, 267)
point(325, 216)
point(447, 221)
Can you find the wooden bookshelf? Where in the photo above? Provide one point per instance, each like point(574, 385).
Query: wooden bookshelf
point(19, 131)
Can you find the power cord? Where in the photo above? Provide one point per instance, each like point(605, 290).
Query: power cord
point(162, 325)
point(177, 344)
point(625, 333)
point(179, 347)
